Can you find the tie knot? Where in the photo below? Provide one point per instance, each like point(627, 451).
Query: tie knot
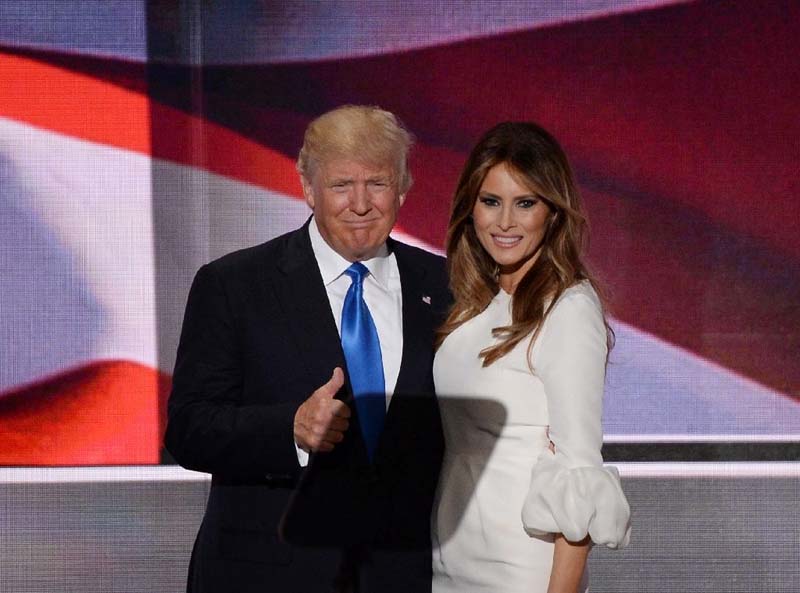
point(357, 271)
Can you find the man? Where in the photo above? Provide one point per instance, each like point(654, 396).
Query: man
point(317, 343)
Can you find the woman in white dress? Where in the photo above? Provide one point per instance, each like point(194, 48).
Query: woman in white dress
point(519, 374)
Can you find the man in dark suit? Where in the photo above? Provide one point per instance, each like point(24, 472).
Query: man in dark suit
point(303, 383)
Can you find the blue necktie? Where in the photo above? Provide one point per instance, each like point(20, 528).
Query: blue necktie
point(362, 350)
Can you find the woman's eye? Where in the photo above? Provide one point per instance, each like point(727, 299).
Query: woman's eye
point(527, 203)
point(488, 201)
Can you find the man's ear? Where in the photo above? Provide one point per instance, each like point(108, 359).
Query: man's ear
point(308, 191)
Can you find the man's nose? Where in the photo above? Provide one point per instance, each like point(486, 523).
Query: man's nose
point(360, 202)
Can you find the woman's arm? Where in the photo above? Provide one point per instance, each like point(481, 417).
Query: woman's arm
point(572, 495)
point(569, 561)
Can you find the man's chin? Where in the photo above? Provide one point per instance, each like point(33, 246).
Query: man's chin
point(361, 250)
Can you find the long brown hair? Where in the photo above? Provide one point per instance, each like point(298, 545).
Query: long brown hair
point(540, 164)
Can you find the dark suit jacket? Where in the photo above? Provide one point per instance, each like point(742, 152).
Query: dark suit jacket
point(258, 338)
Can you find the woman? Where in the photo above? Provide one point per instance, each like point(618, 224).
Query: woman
point(519, 372)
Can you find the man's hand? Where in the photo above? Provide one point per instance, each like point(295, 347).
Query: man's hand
point(321, 420)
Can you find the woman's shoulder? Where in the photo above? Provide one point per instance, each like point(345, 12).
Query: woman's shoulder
point(576, 317)
point(581, 296)
point(578, 310)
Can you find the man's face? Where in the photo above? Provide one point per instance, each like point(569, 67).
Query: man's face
point(355, 205)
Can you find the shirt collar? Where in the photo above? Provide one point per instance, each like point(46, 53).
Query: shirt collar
point(332, 264)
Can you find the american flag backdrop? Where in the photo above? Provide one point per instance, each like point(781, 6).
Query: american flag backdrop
point(140, 139)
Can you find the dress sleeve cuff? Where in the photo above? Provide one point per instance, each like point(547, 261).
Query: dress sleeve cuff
point(576, 502)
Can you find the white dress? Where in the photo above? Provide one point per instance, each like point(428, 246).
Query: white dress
point(502, 494)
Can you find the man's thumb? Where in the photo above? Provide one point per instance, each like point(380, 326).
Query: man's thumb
point(335, 383)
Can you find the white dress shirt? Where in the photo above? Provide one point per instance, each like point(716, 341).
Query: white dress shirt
point(382, 293)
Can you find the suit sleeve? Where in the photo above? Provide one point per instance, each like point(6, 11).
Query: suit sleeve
point(209, 429)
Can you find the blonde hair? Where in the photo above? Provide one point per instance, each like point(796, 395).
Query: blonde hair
point(535, 158)
point(364, 133)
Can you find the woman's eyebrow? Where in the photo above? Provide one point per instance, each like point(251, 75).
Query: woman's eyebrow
point(487, 194)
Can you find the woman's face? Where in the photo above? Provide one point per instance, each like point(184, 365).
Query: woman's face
point(510, 222)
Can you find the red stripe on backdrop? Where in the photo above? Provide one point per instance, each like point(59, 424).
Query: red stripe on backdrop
point(73, 104)
point(92, 109)
point(105, 413)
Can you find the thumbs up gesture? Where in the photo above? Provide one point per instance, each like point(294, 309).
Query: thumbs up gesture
point(321, 421)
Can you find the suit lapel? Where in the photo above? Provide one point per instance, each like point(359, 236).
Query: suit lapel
point(418, 322)
point(303, 298)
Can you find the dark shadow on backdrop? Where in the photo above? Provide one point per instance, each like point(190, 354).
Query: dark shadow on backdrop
point(180, 202)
